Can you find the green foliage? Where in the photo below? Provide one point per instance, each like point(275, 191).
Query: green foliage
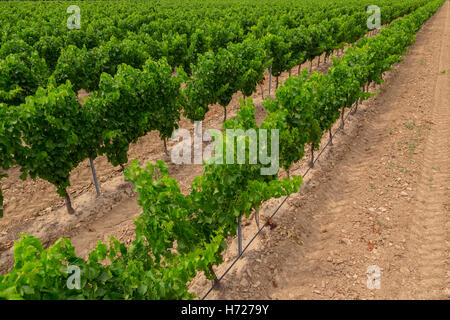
point(15, 46)
point(20, 75)
point(135, 102)
point(130, 272)
point(52, 128)
point(49, 48)
point(277, 49)
point(116, 52)
point(79, 66)
point(10, 142)
point(298, 103)
point(301, 42)
point(250, 62)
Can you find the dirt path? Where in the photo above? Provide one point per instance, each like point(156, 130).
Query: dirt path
point(380, 197)
point(429, 246)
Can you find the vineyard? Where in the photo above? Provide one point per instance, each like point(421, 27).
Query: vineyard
point(145, 66)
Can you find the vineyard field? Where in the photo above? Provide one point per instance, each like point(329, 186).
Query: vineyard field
point(108, 83)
